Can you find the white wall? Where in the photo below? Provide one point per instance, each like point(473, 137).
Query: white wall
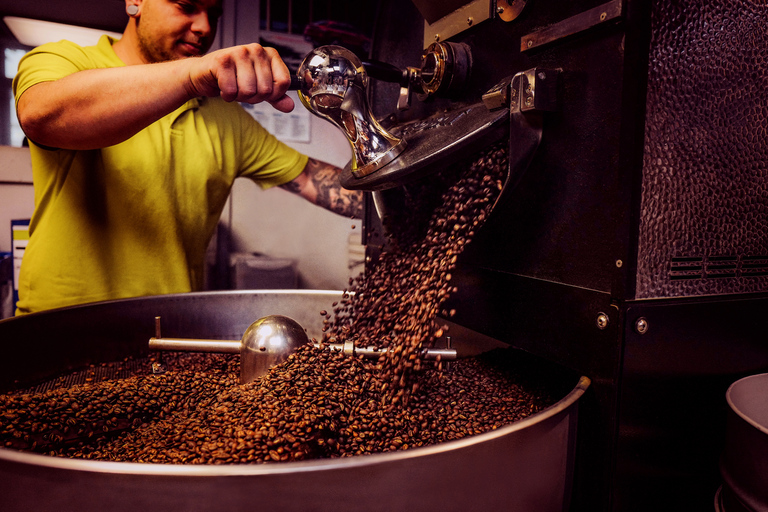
point(275, 222)
point(17, 198)
point(280, 224)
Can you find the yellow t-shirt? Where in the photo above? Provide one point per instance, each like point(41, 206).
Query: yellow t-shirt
point(135, 218)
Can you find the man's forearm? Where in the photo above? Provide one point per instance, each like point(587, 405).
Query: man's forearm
point(319, 184)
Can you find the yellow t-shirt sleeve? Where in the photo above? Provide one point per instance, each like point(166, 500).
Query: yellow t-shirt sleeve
point(53, 61)
point(265, 159)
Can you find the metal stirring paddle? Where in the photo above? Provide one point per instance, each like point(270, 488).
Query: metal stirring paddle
point(269, 341)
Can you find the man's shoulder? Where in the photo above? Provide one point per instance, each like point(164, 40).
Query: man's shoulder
point(99, 55)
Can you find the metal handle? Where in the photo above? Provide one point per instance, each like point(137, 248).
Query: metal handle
point(195, 345)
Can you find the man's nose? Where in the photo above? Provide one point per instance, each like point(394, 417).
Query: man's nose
point(201, 24)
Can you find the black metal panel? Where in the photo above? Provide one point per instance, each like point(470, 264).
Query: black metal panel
point(672, 400)
point(560, 324)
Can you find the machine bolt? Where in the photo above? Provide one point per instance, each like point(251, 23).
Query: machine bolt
point(602, 321)
point(641, 325)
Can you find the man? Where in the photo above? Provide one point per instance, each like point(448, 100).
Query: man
point(135, 144)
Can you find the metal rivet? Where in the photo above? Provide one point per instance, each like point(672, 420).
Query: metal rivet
point(470, 21)
point(602, 321)
point(641, 325)
point(437, 37)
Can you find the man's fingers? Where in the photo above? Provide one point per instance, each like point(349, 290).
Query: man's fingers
point(248, 73)
point(284, 104)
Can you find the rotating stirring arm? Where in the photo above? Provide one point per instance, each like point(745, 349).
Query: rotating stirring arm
point(269, 341)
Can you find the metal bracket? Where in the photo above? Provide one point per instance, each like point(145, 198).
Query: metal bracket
point(458, 21)
point(528, 95)
point(599, 15)
point(531, 90)
point(534, 90)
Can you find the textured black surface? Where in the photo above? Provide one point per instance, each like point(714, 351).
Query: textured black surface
point(704, 210)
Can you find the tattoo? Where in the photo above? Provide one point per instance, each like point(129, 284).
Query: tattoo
point(326, 191)
point(291, 186)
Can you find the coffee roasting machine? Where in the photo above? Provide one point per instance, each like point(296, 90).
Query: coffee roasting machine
point(629, 242)
point(627, 246)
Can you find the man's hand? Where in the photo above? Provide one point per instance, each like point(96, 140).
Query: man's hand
point(248, 73)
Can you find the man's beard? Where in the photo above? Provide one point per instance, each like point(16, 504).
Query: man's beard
point(151, 52)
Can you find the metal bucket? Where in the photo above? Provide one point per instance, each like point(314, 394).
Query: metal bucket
point(744, 464)
point(527, 465)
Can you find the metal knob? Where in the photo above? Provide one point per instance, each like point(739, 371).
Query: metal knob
point(333, 83)
point(268, 341)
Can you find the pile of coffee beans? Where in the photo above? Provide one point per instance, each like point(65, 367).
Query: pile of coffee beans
point(318, 403)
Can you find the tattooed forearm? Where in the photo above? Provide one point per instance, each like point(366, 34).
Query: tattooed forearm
point(319, 183)
point(292, 186)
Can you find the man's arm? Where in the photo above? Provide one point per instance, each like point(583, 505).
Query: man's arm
point(101, 107)
point(319, 184)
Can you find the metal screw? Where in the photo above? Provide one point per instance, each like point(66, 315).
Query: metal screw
point(641, 325)
point(602, 321)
